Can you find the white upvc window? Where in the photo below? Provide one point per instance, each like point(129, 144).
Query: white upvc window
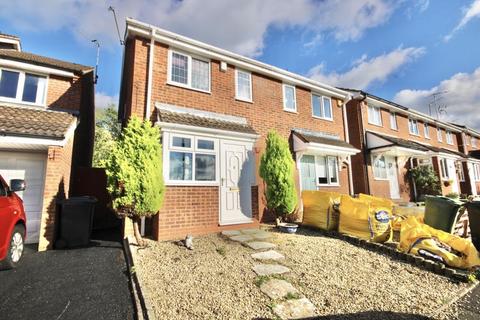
point(449, 136)
point(188, 71)
point(476, 171)
point(326, 168)
point(374, 115)
point(444, 169)
point(23, 87)
point(243, 85)
point(379, 166)
point(413, 126)
point(439, 134)
point(426, 130)
point(466, 140)
point(461, 173)
point(474, 142)
point(289, 98)
point(393, 121)
point(191, 160)
point(322, 107)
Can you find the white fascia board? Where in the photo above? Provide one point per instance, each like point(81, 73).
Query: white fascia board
point(445, 155)
point(200, 48)
point(320, 148)
point(31, 141)
point(215, 133)
point(399, 151)
point(34, 68)
point(415, 114)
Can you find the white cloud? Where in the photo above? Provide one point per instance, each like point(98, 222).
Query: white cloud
point(462, 98)
point(468, 14)
point(103, 100)
point(236, 25)
point(368, 71)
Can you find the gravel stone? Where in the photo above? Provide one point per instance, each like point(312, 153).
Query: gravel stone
point(277, 289)
point(295, 309)
point(231, 233)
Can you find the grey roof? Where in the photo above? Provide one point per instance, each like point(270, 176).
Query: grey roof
point(319, 137)
point(30, 122)
point(401, 142)
point(43, 61)
point(204, 122)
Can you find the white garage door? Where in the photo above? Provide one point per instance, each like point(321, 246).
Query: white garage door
point(31, 168)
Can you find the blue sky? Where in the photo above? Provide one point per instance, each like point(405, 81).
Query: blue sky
point(402, 50)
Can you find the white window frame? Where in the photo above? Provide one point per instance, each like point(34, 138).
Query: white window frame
point(466, 140)
point(461, 172)
point(474, 142)
point(322, 107)
point(444, 172)
point(411, 123)
point(439, 134)
point(476, 171)
point(375, 176)
point(449, 137)
point(393, 121)
point(237, 96)
point(189, 70)
point(327, 170)
point(371, 116)
point(426, 130)
point(284, 85)
point(21, 86)
point(194, 150)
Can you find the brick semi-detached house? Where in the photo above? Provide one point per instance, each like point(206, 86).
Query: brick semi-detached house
point(394, 139)
point(46, 130)
point(214, 109)
point(469, 145)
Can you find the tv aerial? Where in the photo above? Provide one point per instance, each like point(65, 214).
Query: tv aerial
point(436, 104)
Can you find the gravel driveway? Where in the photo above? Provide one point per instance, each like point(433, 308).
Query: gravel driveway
point(215, 280)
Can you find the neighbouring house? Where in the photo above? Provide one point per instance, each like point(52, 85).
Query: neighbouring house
point(214, 109)
point(46, 130)
point(469, 145)
point(394, 139)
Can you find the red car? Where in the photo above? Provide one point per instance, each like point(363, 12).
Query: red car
point(12, 223)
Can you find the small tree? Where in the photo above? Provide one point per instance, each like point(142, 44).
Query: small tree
point(426, 181)
point(134, 173)
point(107, 130)
point(276, 169)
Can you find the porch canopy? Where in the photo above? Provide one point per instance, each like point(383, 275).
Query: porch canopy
point(446, 153)
point(393, 146)
point(321, 143)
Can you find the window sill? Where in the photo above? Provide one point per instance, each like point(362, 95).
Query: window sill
point(23, 103)
point(320, 118)
point(394, 129)
point(244, 100)
point(192, 183)
point(328, 185)
point(175, 84)
point(415, 134)
point(375, 124)
point(290, 111)
point(380, 179)
point(428, 138)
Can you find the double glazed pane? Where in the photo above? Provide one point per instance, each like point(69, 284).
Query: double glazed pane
point(34, 88)
point(243, 85)
point(380, 168)
point(8, 83)
point(180, 166)
point(205, 167)
point(179, 68)
point(200, 75)
point(289, 98)
point(181, 142)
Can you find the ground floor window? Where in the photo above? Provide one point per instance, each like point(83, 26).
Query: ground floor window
point(317, 171)
point(461, 173)
point(444, 169)
point(476, 171)
point(379, 165)
point(192, 158)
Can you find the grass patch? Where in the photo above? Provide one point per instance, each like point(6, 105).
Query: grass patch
point(221, 251)
point(262, 279)
point(292, 295)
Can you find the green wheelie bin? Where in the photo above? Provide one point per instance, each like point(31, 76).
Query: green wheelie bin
point(441, 212)
point(473, 209)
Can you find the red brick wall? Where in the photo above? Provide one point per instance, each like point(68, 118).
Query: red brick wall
point(57, 182)
point(265, 113)
point(64, 93)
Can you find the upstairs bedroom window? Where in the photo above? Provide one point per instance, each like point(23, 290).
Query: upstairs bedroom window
point(22, 87)
point(426, 130)
point(449, 136)
point(190, 72)
point(243, 85)
point(439, 135)
point(289, 98)
point(374, 115)
point(322, 107)
point(413, 126)
point(393, 121)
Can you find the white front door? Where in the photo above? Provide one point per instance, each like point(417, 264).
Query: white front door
point(31, 168)
point(452, 173)
point(235, 183)
point(392, 177)
point(471, 175)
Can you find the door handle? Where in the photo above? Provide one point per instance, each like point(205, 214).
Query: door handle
point(15, 211)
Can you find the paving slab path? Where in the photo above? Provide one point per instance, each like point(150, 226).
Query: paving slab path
point(269, 269)
point(260, 245)
point(268, 255)
point(278, 289)
point(295, 309)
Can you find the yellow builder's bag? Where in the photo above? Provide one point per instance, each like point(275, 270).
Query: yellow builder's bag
point(376, 201)
point(318, 209)
point(423, 240)
point(362, 219)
